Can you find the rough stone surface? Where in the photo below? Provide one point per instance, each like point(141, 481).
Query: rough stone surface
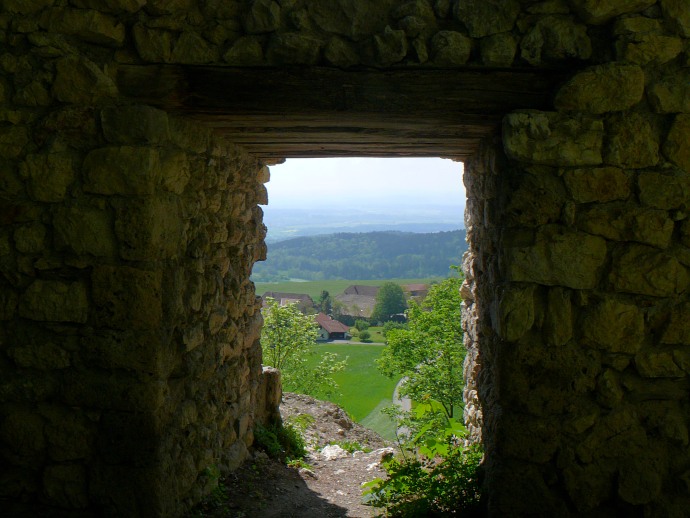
point(631, 142)
point(80, 81)
point(555, 257)
point(648, 271)
point(601, 11)
point(55, 301)
point(601, 184)
point(671, 94)
point(498, 50)
point(676, 12)
point(677, 145)
point(550, 138)
point(49, 176)
point(614, 326)
point(603, 88)
point(555, 38)
point(664, 190)
point(484, 18)
point(450, 48)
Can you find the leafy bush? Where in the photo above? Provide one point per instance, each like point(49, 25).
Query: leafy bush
point(389, 326)
point(435, 474)
point(284, 442)
point(361, 325)
point(364, 335)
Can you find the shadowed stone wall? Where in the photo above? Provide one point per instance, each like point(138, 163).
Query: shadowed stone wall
point(129, 361)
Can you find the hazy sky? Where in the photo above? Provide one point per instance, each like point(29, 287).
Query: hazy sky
point(356, 182)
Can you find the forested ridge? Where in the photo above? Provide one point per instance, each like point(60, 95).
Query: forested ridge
point(369, 255)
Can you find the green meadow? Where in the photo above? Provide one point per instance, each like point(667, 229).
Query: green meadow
point(364, 391)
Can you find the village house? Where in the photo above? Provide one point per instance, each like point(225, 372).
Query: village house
point(330, 329)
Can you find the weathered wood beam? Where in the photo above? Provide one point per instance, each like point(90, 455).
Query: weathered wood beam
point(329, 112)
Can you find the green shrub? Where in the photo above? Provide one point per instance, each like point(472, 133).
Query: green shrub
point(435, 475)
point(361, 325)
point(364, 335)
point(284, 442)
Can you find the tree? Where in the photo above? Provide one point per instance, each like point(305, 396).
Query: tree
point(429, 353)
point(288, 338)
point(325, 303)
point(361, 325)
point(390, 300)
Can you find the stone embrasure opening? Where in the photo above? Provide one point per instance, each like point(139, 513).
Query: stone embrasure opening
point(129, 225)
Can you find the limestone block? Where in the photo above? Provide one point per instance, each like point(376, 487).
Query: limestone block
point(8, 304)
point(293, 48)
point(340, 52)
point(602, 88)
point(66, 486)
point(86, 24)
point(355, 20)
point(13, 139)
point(55, 301)
point(658, 364)
point(135, 125)
point(138, 351)
point(597, 12)
point(111, 6)
point(597, 184)
point(558, 324)
point(671, 94)
point(245, 51)
point(627, 222)
point(80, 81)
point(264, 175)
point(69, 433)
point(450, 48)
point(498, 50)
point(49, 176)
point(555, 38)
point(44, 356)
point(664, 190)
point(677, 330)
point(613, 326)
point(631, 142)
point(638, 480)
point(30, 239)
point(193, 337)
point(263, 16)
point(676, 12)
point(175, 171)
point(153, 45)
point(556, 257)
point(487, 17)
point(127, 297)
point(647, 271)
point(685, 233)
point(634, 25)
point(26, 6)
point(386, 48)
point(122, 170)
point(677, 145)
point(609, 390)
point(551, 138)
point(514, 314)
point(192, 49)
point(589, 484)
point(416, 18)
point(648, 48)
point(181, 6)
point(616, 435)
point(85, 230)
point(21, 431)
point(149, 229)
point(537, 199)
point(33, 94)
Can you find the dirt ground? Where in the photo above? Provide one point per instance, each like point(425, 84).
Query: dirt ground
point(265, 488)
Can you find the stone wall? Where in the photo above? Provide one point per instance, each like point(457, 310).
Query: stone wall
point(129, 353)
point(576, 301)
point(129, 362)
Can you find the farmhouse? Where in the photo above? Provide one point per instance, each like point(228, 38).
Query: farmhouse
point(331, 329)
point(303, 301)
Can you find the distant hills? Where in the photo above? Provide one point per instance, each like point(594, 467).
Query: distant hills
point(366, 256)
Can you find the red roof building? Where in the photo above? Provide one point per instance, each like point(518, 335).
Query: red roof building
point(331, 329)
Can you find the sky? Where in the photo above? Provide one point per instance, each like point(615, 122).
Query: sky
point(360, 182)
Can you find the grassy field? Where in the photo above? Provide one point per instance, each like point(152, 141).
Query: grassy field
point(376, 334)
point(364, 390)
point(314, 288)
